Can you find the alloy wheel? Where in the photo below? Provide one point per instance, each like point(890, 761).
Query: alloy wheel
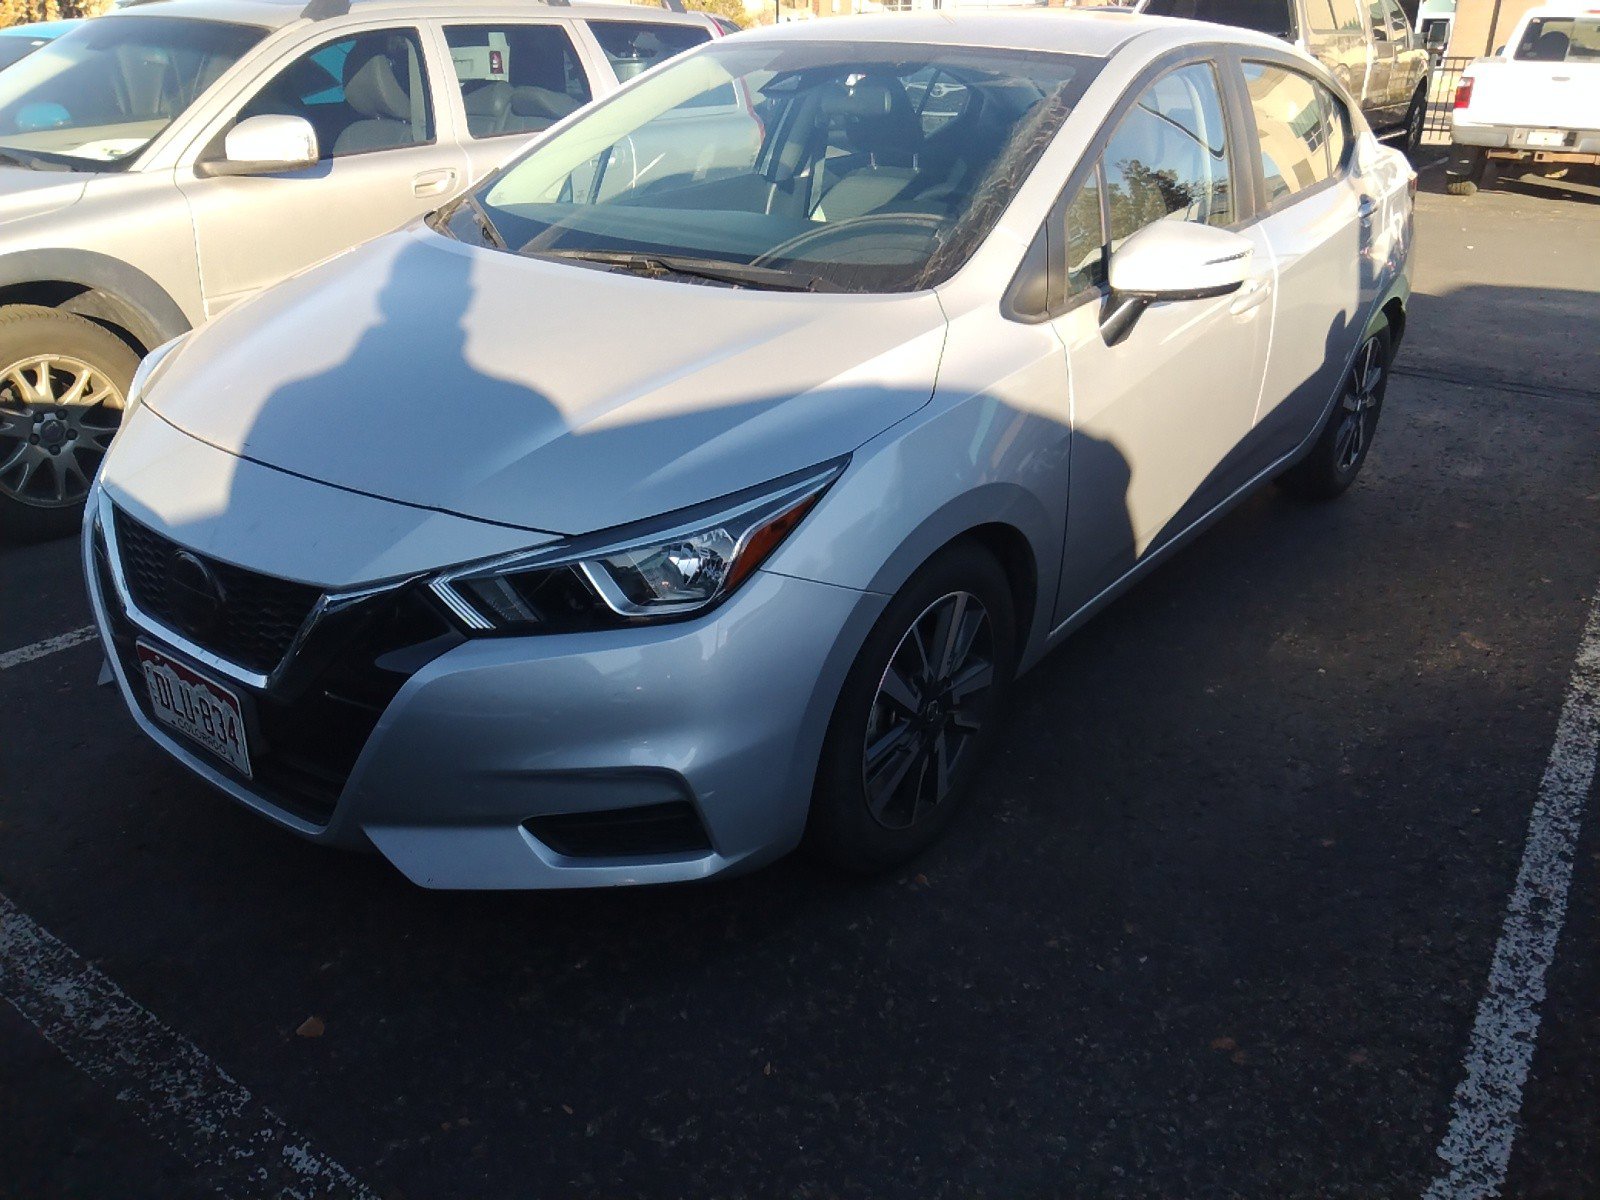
point(928, 709)
point(57, 417)
point(1362, 396)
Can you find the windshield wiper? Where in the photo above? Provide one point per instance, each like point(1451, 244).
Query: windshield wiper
point(713, 269)
point(440, 220)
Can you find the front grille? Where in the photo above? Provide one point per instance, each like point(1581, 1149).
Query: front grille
point(308, 730)
point(253, 622)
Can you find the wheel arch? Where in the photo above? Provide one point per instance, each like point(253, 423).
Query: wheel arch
point(98, 287)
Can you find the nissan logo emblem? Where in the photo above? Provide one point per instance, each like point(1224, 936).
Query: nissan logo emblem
point(193, 593)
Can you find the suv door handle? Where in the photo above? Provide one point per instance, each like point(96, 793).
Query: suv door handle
point(433, 183)
point(1366, 208)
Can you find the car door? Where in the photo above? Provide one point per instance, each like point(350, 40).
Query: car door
point(1379, 97)
point(1159, 417)
point(1318, 223)
point(514, 79)
point(1336, 37)
point(383, 160)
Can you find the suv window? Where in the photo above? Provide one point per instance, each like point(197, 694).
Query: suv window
point(1168, 158)
point(1268, 16)
point(516, 78)
point(1297, 127)
point(633, 47)
point(101, 93)
point(362, 93)
point(1333, 16)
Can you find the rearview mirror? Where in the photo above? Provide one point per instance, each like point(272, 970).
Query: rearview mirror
point(1172, 261)
point(270, 144)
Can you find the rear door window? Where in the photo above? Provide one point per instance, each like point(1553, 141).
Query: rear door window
point(516, 78)
point(1294, 126)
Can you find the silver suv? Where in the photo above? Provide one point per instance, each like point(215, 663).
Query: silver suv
point(162, 163)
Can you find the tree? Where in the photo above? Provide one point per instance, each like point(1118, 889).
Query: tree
point(25, 12)
point(733, 10)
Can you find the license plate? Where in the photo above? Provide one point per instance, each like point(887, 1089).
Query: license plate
point(1546, 137)
point(201, 709)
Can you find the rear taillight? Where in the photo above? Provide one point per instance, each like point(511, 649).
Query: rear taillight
point(1464, 92)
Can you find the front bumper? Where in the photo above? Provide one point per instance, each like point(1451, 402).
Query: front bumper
point(725, 714)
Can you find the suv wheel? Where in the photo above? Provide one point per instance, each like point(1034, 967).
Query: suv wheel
point(1416, 123)
point(63, 381)
point(915, 714)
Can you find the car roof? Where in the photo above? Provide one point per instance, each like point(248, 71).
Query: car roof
point(275, 14)
point(1094, 32)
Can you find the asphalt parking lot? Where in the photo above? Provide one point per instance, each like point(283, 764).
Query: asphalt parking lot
point(1220, 922)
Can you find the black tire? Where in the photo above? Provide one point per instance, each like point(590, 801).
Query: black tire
point(1416, 123)
point(1465, 171)
point(851, 826)
point(1341, 449)
point(51, 443)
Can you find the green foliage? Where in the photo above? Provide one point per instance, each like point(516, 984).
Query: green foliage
point(733, 10)
point(26, 12)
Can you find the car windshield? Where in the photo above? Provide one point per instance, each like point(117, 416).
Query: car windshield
point(1560, 39)
point(96, 96)
point(874, 167)
point(17, 46)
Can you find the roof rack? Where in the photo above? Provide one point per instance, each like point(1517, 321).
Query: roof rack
point(324, 10)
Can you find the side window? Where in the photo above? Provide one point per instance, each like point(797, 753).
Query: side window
point(1399, 27)
point(1346, 16)
point(516, 78)
point(1168, 159)
point(1294, 128)
point(1320, 17)
point(1340, 137)
point(1086, 239)
point(362, 93)
point(1378, 16)
point(633, 47)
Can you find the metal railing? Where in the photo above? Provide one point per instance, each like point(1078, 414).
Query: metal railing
point(1441, 98)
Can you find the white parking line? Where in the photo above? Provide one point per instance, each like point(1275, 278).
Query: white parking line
point(26, 654)
point(1477, 1147)
point(235, 1144)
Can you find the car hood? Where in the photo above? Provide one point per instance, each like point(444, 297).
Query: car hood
point(25, 192)
point(544, 395)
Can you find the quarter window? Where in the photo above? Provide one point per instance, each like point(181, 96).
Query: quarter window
point(515, 78)
point(1296, 128)
point(1168, 159)
point(362, 93)
point(1086, 239)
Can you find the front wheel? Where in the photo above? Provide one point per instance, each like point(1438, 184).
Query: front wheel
point(1335, 460)
point(63, 383)
point(1416, 123)
point(915, 714)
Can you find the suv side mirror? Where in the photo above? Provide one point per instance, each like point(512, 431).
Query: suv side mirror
point(1172, 261)
point(266, 145)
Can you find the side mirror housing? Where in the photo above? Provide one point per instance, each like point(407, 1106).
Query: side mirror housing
point(270, 144)
point(1173, 261)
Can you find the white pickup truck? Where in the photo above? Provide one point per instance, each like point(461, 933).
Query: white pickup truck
point(1536, 101)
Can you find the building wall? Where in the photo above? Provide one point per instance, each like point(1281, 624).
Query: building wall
point(1483, 26)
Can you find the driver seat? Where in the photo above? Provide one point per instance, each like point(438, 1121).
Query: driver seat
point(882, 139)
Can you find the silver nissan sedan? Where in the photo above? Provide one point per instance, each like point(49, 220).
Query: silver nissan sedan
point(696, 487)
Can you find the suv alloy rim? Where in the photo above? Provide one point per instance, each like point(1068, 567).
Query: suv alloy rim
point(926, 713)
point(57, 418)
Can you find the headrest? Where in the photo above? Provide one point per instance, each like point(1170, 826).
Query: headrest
point(869, 98)
point(372, 88)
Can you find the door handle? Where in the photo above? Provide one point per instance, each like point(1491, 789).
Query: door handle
point(1366, 208)
point(1251, 296)
point(433, 183)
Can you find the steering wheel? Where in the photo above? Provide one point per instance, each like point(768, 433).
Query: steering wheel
point(824, 234)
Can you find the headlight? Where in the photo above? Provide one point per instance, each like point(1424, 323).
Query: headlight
point(152, 366)
point(674, 567)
